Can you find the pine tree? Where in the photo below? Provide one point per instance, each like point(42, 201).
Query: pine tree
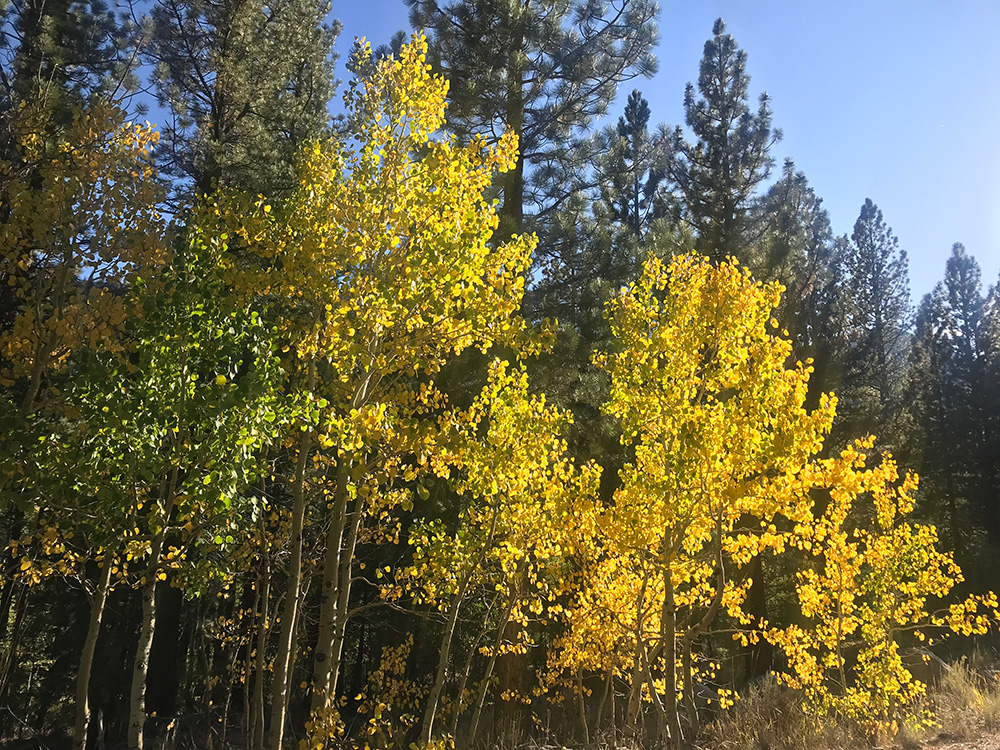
point(798, 249)
point(632, 170)
point(988, 400)
point(945, 426)
point(877, 326)
point(246, 84)
point(719, 175)
point(61, 53)
point(543, 70)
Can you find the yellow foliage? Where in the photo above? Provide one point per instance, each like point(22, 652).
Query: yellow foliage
point(83, 225)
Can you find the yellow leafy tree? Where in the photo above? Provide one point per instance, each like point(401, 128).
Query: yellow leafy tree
point(80, 224)
point(525, 506)
point(872, 579)
point(383, 261)
point(726, 465)
point(720, 433)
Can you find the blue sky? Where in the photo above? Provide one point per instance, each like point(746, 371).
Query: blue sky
point(893, 101)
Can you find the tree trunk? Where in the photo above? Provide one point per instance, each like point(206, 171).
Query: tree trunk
point(668, 633)
point(338, 570)
point(285, 658)
point(330, 594)
point(632, 708)
point(449, 632)
point(691, 707)
point(20, 607)
point(512, 670)
point(609, 690)
point(462, 684)
point(336, 612)
point(484, 686)
point(140, 664)
point(165, 665)
point(443, 656)
point(257, 710)
point(582, 706)
point(97, 603)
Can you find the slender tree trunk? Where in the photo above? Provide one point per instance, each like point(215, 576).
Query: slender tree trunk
point(608, 691)
point(668, 632)
point(246, 720)
point(140, 664)
point(687, 686)
point(20, 607)
point(484, 686)
point(137, 703)
point(462, 684)
point(335, 611)
point(444, 654)
point(97, 603)
point(582, 706)
point(329, 596)
point(632, 707)
point(257, 710)
point(228, 700)
point(285, 659)
point(338, 573)
point(7, 566)
point(512, 668)
point(449, 632)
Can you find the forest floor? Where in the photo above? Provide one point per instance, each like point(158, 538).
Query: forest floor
point(988, 740)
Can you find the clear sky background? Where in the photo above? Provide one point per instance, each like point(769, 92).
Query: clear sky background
point(893, 101)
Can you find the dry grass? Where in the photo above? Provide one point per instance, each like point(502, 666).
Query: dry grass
point(965, 704)
point(771, 717)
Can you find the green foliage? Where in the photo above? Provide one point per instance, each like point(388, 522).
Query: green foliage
point(247, 85)
point(719, 174)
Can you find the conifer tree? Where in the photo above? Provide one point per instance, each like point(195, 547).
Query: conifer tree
point(988, 399)
point(877, 328)
point(720, 173)
point(946, 401)
point(798, 249)
point(633, 169)
point(62, 53)
point(246, 85)
point(543, 70)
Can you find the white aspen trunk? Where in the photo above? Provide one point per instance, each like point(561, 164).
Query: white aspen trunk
point(97, 603)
